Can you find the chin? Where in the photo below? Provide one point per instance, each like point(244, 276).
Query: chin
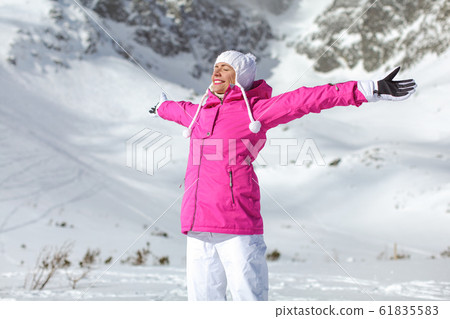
point(221, 90)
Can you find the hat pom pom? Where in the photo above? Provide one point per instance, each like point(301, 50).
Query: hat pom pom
point(187, 133)
point(255, 126)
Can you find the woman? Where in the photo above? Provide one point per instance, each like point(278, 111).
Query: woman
point(220, 211)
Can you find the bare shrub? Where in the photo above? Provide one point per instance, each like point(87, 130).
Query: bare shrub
point(385, 255)
point(75, 277)
point(446, 253)
point(49, 261)
point(163, 260)
point(139, 257)
point(160, 233)
point(398, 255)
point(274, 255)
point(90, 257)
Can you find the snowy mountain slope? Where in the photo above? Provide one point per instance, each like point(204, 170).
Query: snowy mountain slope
point(162, 36)
point(390, 32)
point(64, 178)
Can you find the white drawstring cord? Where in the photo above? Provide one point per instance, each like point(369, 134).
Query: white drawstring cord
point(187, 132)
point(255, 126)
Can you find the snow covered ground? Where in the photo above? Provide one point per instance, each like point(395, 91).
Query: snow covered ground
point(63, 178)
point(373, 280)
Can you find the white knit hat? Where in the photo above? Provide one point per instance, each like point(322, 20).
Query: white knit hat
point(244, 66)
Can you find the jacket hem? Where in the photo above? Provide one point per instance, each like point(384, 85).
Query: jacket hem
point(220, 230)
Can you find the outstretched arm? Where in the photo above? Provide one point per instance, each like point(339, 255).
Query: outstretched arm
point(180, 112)
point(295, 104)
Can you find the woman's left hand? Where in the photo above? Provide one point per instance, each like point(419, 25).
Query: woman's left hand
point(387, 88)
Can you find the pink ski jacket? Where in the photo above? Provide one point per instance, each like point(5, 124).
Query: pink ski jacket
point(221, 188)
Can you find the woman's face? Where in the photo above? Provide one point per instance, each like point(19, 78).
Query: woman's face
point(223, 75)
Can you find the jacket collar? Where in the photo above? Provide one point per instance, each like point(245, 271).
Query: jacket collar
point(260, 90)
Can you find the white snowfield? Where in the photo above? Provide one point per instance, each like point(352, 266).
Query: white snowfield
point(64, 179)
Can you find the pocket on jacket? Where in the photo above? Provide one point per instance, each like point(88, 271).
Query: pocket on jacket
point(240, 186)
point(231, 186)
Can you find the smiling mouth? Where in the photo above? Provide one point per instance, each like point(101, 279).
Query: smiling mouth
point(218, 82)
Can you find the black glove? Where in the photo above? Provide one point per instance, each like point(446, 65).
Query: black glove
point(394, 90)
point(386, 89)
point(153, 109)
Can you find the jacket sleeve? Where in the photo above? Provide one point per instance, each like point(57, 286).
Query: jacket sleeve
point(294, 104)
point(180, 112)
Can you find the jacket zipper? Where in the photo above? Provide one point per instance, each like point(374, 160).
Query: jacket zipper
point(231, 186)
point(225, 95)
point(196, 188)
point(198, 176)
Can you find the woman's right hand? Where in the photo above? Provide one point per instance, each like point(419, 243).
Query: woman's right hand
point(162, 99)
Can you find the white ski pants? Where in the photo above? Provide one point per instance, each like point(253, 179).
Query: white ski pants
point(214, 261)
